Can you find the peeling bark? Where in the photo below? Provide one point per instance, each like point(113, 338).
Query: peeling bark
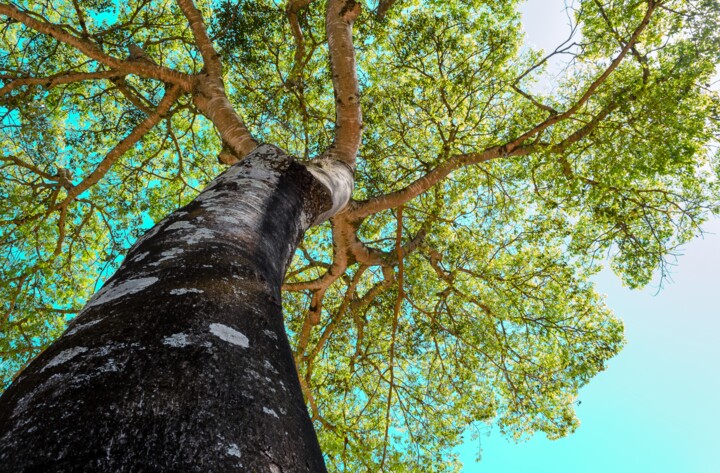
point(181, 362)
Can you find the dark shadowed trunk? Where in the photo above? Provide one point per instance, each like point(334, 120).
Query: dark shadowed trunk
point(181, 362)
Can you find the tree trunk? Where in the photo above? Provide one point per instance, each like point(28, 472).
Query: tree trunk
point(181, 362)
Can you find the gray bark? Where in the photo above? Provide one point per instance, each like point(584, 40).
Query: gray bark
point(181, 362)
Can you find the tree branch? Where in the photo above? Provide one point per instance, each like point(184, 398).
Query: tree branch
point(339, 19)
point(81, 18)
point(89, 49)
point(534, 101)
point(57, 79)
point(597, 83)
point(211, 100)
point(383, 7)
point(362, 209)
point(291, 11)
point(210, 56)
point(514, 147)
point(168, 99)
point(133, 96)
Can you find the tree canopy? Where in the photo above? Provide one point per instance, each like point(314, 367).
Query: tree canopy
point(455, 286)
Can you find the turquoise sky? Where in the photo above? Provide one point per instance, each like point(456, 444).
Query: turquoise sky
point(656, 408)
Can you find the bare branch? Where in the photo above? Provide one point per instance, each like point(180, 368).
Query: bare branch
point(81, 18)
point(210, 56)
point(563, 48)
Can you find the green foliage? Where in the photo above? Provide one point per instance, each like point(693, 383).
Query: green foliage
point(498, 319)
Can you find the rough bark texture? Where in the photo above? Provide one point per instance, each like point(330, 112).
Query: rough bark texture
point(181, 362)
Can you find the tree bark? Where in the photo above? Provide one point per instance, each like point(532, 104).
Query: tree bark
point(181, 361)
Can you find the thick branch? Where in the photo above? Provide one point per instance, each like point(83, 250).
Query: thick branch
point(211, 100)
point(360, 210)
point(210, 56)
point(57, 79)
point(339, 19)
point(89, 49)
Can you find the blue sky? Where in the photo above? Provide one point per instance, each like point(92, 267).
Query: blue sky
point(656, 408)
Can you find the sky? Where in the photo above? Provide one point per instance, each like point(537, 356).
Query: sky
point(656, 408)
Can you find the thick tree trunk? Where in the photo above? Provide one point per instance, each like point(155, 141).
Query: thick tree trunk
point(181, 362)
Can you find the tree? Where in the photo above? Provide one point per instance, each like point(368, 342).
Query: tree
point(452, 288)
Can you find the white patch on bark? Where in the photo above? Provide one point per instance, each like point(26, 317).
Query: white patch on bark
point(270, 334)
point(181, 225)
point(179, 292)
point(229, 174)
point(77, 328)
point(198, 235)
point(260, 172)
point(233, 450)
point(269, 366)
point(116, 291)
point(167, 255)
point(337, 177)
point(109, 366)
point(140, 256)
point(270, 412)
point(228, 219)
point(64, 356)
point(230, 335)
point(305, 220)
point(177, 340)
point(208, 195)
